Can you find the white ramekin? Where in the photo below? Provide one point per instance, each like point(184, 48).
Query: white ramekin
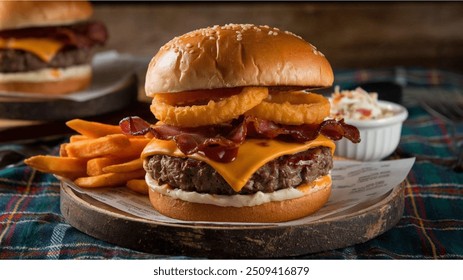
point(379, 138)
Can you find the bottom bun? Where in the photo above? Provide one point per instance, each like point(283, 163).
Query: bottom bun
point(271, 212)
point(48, 81)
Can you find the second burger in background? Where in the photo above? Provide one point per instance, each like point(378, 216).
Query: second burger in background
point(47, 46)
point(237, 138)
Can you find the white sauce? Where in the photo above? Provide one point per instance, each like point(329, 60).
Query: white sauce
point(228, 200)
point(47, 74)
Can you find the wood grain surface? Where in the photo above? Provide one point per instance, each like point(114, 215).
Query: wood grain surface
point(350, 34)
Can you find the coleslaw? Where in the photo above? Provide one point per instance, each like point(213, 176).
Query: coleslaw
point(356, 104)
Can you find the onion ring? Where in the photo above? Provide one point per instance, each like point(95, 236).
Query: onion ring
point(293, 108)
point(211, 113)
point(196, 97)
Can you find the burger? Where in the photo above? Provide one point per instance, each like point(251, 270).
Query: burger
point(47, 47)
point(239, 137)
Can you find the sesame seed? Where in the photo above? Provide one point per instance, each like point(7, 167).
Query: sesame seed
point(191, 51)
point(291, 33)
point(188, 45)
point(211, 38)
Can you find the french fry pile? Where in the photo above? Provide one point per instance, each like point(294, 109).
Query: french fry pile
point(99, 156)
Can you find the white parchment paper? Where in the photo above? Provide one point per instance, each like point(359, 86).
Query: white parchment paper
point(354, 183)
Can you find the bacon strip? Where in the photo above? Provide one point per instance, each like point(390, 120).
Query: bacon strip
point(332, 129)
point(221, 142)
point(83, 35)
point(135, 126)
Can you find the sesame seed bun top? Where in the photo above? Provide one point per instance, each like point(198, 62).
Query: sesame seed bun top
point(236, 55)
point(22, 14)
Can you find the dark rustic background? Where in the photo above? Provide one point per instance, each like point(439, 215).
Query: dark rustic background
point(351, 35)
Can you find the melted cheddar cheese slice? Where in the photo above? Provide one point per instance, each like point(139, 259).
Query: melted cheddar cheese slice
point(45, 49)
point(252, 154)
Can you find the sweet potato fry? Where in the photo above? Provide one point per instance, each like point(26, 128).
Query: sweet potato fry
point(124, 167)
point(113, 144)
point(99, 156)
point(95, 165)
point(93, 129)
point(62, 150)
point(108, 179)
point(137, 144)
point(77, 137)
point(138, 185)
point(68, 167)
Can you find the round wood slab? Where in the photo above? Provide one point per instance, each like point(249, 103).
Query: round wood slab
point(232, 241)
point(63, 109)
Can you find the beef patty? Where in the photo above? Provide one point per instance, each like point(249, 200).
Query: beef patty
point(287, 171)
point(21, 61)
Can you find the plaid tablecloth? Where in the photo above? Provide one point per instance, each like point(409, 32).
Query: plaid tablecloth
point(32, 227)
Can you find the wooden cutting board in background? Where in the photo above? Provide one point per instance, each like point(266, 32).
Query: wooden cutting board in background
point(32, 120)
point(114, 93)
point(47, 109)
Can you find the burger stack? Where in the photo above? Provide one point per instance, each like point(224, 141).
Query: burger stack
point(46, 47)
point(240, 138)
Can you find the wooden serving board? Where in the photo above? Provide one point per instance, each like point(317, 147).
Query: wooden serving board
point(358, 225)
point(23, 108)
